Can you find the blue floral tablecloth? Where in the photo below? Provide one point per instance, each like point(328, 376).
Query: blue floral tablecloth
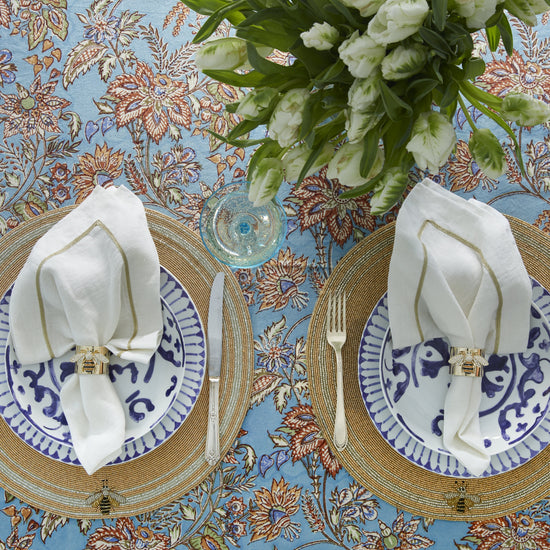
point(106, 92)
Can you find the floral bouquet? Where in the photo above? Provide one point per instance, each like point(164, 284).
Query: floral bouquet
point(371, 88)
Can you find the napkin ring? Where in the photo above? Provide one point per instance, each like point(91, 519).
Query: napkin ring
point(467, 361)
point(91, 359)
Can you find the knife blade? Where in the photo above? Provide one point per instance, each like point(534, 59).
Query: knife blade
point(215, 347)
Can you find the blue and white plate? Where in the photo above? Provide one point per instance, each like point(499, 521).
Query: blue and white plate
point(404, 391)
point(157, 398)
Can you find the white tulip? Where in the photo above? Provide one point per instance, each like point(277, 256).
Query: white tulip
point(295, 159)
point(403, 62)
point(476, 12)
point(358, 123)
point(321, 36)
point(525, 110)
point(363, 93)
point(366, 7)
point(255, 104)
point(361, 54)
point(265, 181)
point(397, 20)
point(222, 54)
point(286, 119)
point(433, 139)
point(346, 162)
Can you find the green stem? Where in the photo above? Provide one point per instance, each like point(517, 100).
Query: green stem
point(467, 113)
point(498, 119)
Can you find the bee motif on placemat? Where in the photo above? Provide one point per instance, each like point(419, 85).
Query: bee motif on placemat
point(460, 499)
point(105, 500)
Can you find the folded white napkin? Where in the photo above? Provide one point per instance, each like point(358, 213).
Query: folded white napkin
point(92, 280)
point(456, 272)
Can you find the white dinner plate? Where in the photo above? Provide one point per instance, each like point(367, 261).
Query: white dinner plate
point(519, 387)
point(156, 403)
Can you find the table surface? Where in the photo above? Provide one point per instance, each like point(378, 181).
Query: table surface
point(79, 85)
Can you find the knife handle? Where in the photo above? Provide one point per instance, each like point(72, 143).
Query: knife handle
point(212, 450)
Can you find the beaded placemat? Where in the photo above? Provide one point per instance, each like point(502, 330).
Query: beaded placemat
point(369, 458)
point(177, 465)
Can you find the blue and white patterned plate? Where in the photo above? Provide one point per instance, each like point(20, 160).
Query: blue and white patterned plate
point(146, 430)
point(519, 388)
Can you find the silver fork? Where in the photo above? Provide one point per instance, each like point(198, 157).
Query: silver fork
point(336, 337)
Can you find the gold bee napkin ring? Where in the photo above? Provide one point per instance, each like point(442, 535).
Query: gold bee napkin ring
point(467, 361)
point(91, 359)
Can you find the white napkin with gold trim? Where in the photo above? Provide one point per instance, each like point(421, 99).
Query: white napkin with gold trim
point(92, 280)
point(456, 272)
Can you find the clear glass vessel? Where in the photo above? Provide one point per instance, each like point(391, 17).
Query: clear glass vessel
point(238, 233)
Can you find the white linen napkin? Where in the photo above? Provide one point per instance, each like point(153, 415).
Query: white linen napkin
point(456, 272)
point(92, 280)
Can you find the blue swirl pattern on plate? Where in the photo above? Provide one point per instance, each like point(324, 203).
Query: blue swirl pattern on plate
point(392, 428)
point(178, 306)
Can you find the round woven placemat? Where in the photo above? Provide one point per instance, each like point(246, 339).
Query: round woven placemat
point(178, 464)
point(368, 457)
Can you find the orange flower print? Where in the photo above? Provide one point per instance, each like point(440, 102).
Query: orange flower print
point(101, 168)
point(274, 508)
point(464, 173)
point(154, 99)
point(307, 438)
point(516, 74)
point(520, 532)
point(31, 111)
point(279, 280)
point(127, 536)
point(320, 202)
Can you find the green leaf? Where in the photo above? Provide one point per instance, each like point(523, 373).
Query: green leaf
point(213, 22)
point(248, 80)
point(422, 87)
point(12, 180)
point(343, 10)
point(506, 34)
point(473, 68)
point(275, 36)
point(333, 73)
point(206, 7)
point(436, 41)
point(187, 512)
point(493, 37)
point(370, 151)
point(394, 106)
point(439, 8)
point(270, 148)
point(315, 152)
point(450, 94)
point(242, 128)
point(262, 65)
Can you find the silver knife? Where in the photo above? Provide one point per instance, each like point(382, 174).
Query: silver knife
point(215, 329)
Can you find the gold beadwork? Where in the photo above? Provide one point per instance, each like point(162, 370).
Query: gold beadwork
point(467, 361)
point(91, 359)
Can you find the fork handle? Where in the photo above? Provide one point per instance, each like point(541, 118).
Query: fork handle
point(340, 428)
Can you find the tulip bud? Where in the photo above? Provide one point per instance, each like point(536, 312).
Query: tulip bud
point(286, 119)
point(222, 54)
point(321, 36)
point(295, 159)
point(361, 54)
point(487, 151)
point(403, 62)
point(346, 163)
point(524, 110)
point(388, 191)
point(256, 104)
point(265, 181)
point(433, 139)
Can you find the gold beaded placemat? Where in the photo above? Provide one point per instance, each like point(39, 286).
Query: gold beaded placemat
point(177, 465)
point(362, 273)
